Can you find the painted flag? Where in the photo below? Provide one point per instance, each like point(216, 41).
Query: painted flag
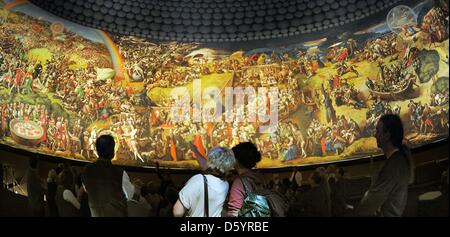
point(323, 146)
point(173, 151)
point(199, 144)
point(251, 58)
point(261, 59)
point(154, 118)
point(209, 127)
point(238, 56)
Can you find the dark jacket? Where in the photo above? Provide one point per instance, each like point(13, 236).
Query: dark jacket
point(338, 196)
point(51, 195)
point(388, 194)
point(315, 202)
point(103, 183)
point(65, 208)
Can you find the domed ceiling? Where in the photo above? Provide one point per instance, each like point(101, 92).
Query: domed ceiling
point(215, 20)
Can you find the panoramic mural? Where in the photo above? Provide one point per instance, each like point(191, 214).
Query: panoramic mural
point(63, 85)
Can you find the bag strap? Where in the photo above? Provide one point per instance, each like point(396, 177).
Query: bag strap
point(205, 182)
point(245, 184)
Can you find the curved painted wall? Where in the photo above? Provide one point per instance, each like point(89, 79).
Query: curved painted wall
point(64, 85)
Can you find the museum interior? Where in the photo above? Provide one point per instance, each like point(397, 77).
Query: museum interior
point(287, 108)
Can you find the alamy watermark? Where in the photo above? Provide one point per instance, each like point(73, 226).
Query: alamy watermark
point(235, 105)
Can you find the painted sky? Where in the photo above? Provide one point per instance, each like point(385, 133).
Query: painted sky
point(38, 13)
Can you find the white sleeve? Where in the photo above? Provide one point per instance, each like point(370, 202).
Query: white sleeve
point(188, 195)
point(69, 197)
point(127, 186)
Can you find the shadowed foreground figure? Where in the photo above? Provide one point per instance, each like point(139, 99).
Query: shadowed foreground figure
point(108, 186)
point(388, 194)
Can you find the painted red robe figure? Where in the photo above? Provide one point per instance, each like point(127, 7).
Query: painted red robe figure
point(314, 65)
point(173, 150)
point(129, 90)
point(323, 146)
point(43, 123)
point(230, 133)
point(36, 27)
point(342, 55)
point(154, 118)
point(209, 131)
point(199, 144)
point(251, 59)
point(336, 81)
point(19, 78)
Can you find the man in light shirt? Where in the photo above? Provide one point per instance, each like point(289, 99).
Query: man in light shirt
point(108, 186)
point(388, 194)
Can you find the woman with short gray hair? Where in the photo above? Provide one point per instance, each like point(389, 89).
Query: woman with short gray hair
point(193, 201)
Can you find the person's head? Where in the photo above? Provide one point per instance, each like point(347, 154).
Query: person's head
point(321, 171)
point(298, 178)
point(283, 186)
point(52, 176)
point(340, 172)
point(153, 187)
point(137, 188)
point(105, 147)
point(246, 154)
point(221, 160)
point(389, 131)
point(331, 169)
point(65, 179)
point(316, 178)
point(144, 191)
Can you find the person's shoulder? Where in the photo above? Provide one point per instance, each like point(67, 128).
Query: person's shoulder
point(392, 164)
point(196, 178)
point(89, 167)
point(253, 175)
point(398, 157)
point(259, 178)
point(214, 181)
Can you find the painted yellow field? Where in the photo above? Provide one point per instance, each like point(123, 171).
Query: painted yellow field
point(214, 80)
point(39, 55)
point(77, 62)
